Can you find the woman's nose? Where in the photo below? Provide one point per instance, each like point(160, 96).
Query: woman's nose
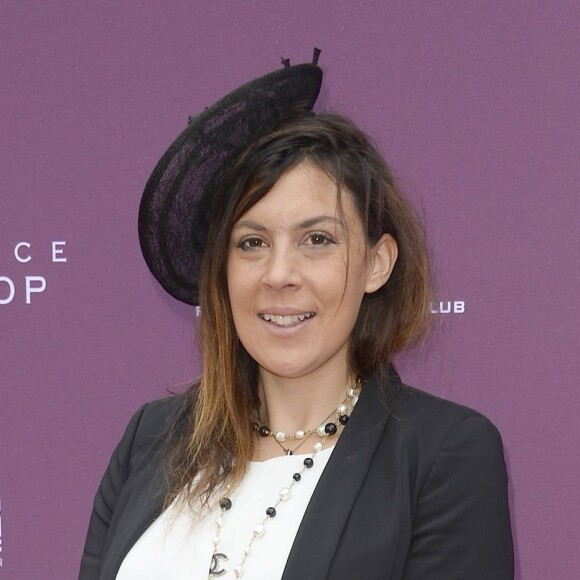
point(281, 269)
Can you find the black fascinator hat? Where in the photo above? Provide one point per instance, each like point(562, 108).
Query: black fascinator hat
point(174, 209)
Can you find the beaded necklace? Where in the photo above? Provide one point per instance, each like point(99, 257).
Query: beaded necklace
point(324, 431)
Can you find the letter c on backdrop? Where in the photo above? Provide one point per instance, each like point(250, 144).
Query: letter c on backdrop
point(17, 252)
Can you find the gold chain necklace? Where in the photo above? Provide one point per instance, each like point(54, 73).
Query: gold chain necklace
point(342, 415)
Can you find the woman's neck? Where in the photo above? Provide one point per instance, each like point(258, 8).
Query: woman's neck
point(292, 404)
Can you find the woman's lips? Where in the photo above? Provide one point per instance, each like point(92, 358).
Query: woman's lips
point(287, 319)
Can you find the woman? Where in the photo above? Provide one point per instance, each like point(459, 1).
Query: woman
point(299, 454)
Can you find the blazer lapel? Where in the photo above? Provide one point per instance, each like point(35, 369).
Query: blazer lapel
point(144, 505)
point(322, 526)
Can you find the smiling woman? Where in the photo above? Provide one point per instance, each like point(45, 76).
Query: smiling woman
point(299, 454)
point(297, 273)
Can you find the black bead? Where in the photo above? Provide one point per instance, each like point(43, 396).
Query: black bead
point(264, 431)
point(271, 512)
point(330, 428)
point(225, 503)
point(343, 419)
point(296, 477)
point(309, 462)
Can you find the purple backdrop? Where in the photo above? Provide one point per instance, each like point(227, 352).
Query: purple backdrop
point(477, 106)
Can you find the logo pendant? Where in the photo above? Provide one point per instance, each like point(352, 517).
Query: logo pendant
point(215, 564)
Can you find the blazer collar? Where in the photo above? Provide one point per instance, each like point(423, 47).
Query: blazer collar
point(325, 518)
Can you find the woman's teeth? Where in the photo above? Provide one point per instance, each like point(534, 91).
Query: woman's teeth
point(286, 320)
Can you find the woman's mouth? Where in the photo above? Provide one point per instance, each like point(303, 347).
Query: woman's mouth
point(286, 320)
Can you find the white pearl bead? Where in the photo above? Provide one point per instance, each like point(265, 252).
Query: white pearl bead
point(247, 550)
point(216, 540)
point(285, 493)
point(280, 437)
point(351, 392)
point(317, 446)
point(320, 431)
point(354, 400)
point(259, 530)
point(299, 434)
point(219, 521)
point(238, 571)
point(342, 409)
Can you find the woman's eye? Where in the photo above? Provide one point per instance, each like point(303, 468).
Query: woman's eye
point(251, 243)
point(319, 239)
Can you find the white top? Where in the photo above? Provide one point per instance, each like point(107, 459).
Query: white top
point(174, 549)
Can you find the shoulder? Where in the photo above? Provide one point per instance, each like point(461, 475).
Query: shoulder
point(149, 427)
point(450, 466)
point(420, 426)
point(428, 434)
point(421, 412)
point(157, 415)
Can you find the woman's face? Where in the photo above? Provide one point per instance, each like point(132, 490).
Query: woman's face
point(297, 271)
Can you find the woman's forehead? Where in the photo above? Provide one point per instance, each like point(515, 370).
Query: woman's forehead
point(305, 193)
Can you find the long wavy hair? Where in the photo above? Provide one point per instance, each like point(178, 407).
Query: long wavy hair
point(211, 439)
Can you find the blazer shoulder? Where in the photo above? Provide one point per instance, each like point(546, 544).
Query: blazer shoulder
point(153, 423)
point(158, 414)
point(457, 488)
point(425, 416)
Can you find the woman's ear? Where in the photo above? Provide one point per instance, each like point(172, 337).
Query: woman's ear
point(383, 256)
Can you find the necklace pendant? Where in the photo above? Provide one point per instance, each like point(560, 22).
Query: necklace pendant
point(215, 569)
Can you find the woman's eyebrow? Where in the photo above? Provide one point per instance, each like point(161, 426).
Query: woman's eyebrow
point(313, 221)
point(249, 224)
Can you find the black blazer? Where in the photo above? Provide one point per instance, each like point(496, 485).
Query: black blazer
point(415, 493)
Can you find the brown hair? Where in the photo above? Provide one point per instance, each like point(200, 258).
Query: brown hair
point(212, 437)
